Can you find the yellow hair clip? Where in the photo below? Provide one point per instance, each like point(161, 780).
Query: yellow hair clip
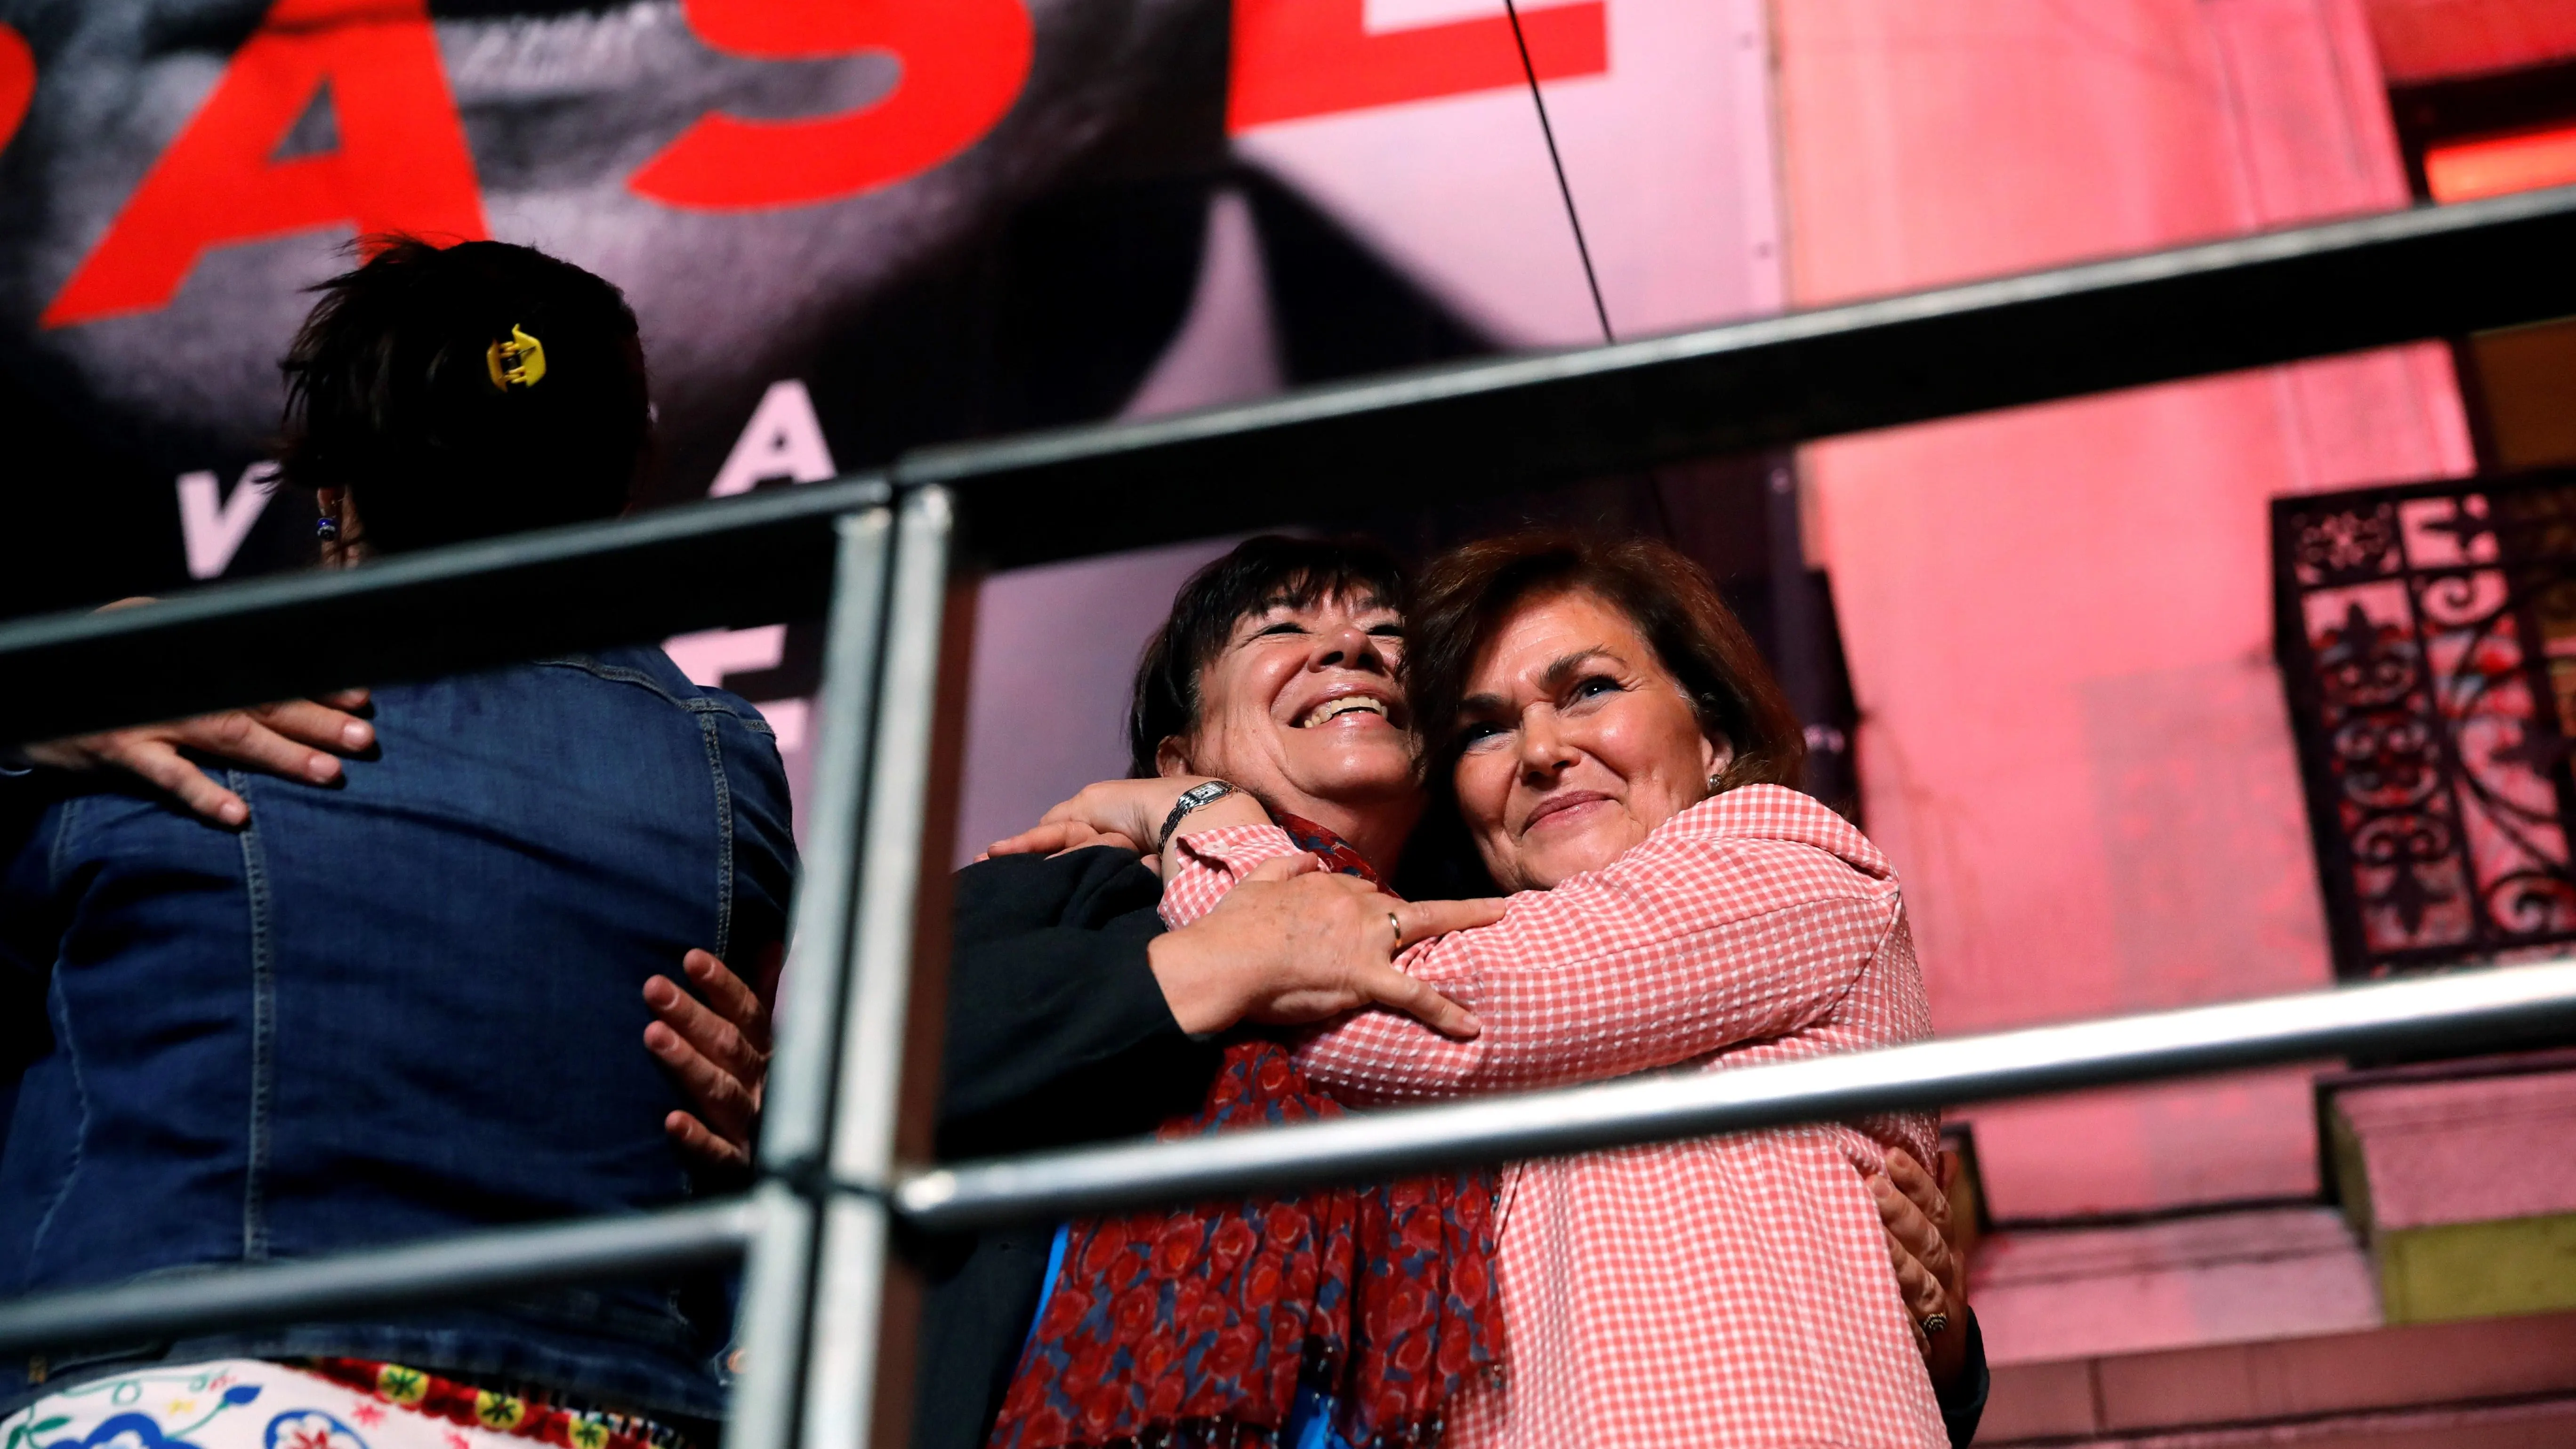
point(518, 362)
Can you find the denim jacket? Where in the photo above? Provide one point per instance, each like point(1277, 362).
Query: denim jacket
point(405, 1007)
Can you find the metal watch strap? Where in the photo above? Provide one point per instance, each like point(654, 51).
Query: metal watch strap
point(1192, 798)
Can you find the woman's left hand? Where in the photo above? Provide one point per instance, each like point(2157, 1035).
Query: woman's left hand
point(1062, 836)
point(719, 1051)
point(1916, 1215)
point(1125, 813)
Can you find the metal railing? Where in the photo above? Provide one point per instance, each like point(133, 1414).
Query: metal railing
point(2469, 1007)
point(878, 551)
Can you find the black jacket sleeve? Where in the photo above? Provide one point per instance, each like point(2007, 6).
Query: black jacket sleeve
point(1057, 1034)
point(1057, 1030)
point(1965, 1401)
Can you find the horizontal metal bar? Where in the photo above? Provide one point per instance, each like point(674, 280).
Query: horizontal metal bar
point(2383, 1017)
point(1474, 429)
point(756, 559)
point(2489, 1007)
point(1422, 437)
point(463, 1269)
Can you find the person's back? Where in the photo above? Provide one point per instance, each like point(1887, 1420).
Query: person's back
point(410, 1005)
point(404, 1007)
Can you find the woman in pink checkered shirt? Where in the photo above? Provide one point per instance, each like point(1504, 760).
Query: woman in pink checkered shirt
point(1617, 752)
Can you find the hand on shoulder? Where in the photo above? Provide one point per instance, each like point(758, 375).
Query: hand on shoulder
point(1131, 815)
point(296, 739)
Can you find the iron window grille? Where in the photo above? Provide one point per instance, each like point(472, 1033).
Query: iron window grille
point(2427, 638)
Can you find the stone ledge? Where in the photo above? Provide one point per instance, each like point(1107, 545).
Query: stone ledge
point(2514, 1376)
point(2070, 1293)
point(2460, 1179)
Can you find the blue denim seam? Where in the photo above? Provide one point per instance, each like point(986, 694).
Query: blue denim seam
point(58, 859)
point(70, 1047)
point(64, 1040)
point(707, 729)
point(623, 675)
point(263, 1031)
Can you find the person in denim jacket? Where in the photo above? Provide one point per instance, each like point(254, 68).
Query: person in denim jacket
point(408, 1003)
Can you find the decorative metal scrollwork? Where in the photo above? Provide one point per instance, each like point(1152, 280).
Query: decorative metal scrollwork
point(2346, 543)
point(2428, 639)
point(2365, 663)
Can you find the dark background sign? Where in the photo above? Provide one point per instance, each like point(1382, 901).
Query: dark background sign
point(932, 220)
point(850, 229)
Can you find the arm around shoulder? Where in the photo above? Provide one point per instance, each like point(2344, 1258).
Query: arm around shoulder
point(1692, 943)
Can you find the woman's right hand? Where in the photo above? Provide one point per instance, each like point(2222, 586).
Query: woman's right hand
point(296, 739)
point(1930, 1276)
point(1295, 943)
point(718, 1050)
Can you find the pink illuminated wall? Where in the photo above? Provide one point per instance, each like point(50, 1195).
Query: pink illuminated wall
point(2074, 742)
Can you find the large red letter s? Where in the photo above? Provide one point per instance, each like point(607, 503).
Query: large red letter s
point(401, 164)
point(963, 62)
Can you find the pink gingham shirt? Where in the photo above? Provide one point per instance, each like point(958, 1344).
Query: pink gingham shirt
point(1733, 1291)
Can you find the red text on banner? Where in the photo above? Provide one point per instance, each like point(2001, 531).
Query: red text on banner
point(17, 82)
point(963, 62)
point(400, 163)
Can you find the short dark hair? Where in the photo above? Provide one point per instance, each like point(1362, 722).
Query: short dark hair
point(1260, 573)
point(390, 395)
point(1468, 592)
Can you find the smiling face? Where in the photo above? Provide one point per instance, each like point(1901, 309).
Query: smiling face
point(1577, 742)
point(1301, 708)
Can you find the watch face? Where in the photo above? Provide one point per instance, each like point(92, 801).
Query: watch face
point(1191, 799)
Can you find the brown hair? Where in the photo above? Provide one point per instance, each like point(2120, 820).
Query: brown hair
point(1261, 572)
point(1468, 592)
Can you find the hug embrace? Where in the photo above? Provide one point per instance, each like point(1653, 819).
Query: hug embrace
point(1581, 728)
point(1529, 822)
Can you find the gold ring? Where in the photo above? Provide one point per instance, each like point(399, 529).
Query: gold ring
point(1936, 1323)
point(1398, 927)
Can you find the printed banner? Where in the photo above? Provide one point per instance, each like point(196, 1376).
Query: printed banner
point(849, 228)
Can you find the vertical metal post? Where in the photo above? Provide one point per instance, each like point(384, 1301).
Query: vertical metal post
point(778, 1286)
point(1795, 629)
point(841, 1374)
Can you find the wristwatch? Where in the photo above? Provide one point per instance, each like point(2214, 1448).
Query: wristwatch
point(1191, 799)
